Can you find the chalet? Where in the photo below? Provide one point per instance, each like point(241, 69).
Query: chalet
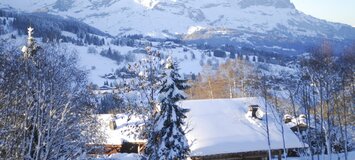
point(235, 129)
point(219, 129)
point(119, 137)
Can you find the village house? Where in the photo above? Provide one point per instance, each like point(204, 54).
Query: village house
point(236, 129)
point(119, 136)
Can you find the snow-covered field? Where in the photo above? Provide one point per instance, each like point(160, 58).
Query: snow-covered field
point(99, 65)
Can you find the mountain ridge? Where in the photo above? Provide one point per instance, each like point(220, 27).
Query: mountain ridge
point(243, 22)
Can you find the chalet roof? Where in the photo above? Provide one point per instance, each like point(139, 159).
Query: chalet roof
point(223, 126)
point(123, 129)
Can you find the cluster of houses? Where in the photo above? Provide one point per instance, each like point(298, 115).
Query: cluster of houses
point(218, 129)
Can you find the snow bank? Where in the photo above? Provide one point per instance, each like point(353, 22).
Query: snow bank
point(125, 156)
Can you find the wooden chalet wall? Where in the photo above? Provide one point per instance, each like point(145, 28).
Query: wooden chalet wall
point(256, 155)
point(126, 147)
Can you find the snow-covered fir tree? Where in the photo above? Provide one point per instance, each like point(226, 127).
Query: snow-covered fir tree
point(167, 140)
point(32, 47)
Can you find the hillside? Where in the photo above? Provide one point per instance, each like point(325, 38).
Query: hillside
point(106, 57)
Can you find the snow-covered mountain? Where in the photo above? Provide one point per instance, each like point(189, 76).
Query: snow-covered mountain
point(171, 17)
point(269, 24)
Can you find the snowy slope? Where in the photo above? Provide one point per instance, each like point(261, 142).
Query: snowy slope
point(98, 66)
point(165, 18)
point(223, 126)
point(191, 59)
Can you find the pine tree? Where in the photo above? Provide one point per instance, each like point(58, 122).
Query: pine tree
point(167, 139)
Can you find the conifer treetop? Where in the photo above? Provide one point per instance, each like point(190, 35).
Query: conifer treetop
point(31, 48)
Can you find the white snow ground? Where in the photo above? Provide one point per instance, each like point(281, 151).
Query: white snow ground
point(120, 156)
point(124, 156)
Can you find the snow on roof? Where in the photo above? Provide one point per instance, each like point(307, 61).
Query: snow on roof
point(297, 121)
point(121, 133)
point(223, 126)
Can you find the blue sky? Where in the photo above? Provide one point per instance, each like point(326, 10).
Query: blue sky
point(342, 11)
